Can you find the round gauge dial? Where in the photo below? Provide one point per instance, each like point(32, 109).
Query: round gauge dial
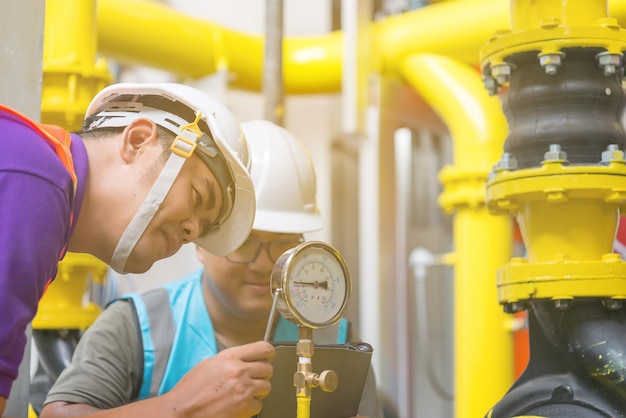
point(314, 283)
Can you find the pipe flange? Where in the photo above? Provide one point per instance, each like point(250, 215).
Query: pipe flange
point(562, 280)
point(551, 40)
point(462, 188)
point(556, 182)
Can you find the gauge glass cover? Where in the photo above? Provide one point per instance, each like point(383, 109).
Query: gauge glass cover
point(315, 283)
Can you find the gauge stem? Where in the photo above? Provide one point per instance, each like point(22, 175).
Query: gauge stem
point(270, 321)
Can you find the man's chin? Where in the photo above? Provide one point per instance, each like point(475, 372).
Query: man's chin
point(138, 268)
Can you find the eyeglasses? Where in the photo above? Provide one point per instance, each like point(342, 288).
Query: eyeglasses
point(250, 250)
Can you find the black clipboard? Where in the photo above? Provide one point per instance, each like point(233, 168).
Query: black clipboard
point(350, 361)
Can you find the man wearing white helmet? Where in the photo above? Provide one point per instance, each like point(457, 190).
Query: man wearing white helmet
point(214, 312)
point(155, 166)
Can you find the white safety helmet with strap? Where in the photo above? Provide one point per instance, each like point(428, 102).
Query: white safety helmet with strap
point(284, 180)
point(202, 127)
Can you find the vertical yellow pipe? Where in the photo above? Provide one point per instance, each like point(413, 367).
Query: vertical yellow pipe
point(532, 14)
point(483, 346)
point(72, 75)
point(483, 369)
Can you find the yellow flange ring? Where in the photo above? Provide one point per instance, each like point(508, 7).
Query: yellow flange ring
point(562, 279)
point(555, 182)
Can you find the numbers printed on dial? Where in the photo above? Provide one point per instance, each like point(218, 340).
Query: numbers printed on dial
point(313, 283)
point(317, 286)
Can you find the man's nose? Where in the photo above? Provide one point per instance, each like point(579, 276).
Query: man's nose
point(263, 262)
point(191, 229)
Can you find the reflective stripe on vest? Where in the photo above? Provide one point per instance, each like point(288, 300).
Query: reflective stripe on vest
point(170, 351)
point(157, 341)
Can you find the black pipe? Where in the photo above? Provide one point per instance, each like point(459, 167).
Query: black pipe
point(577, 365)
point(592, 336)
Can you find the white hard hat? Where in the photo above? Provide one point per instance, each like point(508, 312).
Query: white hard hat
point(200, 123)
point(284, 180)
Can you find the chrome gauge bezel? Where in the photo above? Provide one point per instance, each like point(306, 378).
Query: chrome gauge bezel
point(283, 272)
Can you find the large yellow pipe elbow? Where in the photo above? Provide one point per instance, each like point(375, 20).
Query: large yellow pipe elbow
point(455, 91)
point(157, 36)
point(457, 29)
point(483, 350)
point(148, 33)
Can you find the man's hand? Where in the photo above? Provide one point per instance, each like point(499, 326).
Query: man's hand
point(231, 384)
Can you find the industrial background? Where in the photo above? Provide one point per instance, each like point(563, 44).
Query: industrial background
point(470, 170)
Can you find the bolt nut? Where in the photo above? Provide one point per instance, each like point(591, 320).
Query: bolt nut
point(564, 393)
point(555, 153)
point(612, 153)
point(305, 349)
point(501, 73)
point(613, 304)
point(514, 307)
point(563, 304)
point(551, 62)
point(506, 162)
point(490, 85)
point(609, 62)
point(549, 22)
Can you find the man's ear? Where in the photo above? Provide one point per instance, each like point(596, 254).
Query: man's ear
point(140, 134)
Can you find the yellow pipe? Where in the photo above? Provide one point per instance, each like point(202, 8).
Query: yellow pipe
point(533, 14)
point(63, 305)
point(483, 344)
point(455, 91)
point(303, 405)
point(567, 214)
point(483, 347)
point(72, 75)
point(457, 29)
point(160, 37)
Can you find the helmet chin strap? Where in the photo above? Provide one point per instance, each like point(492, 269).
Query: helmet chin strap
point(182, 148)
point(144, 215)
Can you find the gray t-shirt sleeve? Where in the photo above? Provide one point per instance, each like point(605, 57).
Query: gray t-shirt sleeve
point(104, 372)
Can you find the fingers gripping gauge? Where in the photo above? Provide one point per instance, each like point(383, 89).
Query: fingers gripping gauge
point(313, 284)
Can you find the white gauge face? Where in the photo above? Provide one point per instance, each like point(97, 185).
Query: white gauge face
point(316, 285)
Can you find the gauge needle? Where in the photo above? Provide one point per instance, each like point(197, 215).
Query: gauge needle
point(315, 284)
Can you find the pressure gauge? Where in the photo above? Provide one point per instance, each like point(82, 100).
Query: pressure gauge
point(312, 283)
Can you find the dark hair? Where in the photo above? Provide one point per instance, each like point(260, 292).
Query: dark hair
point(166, 137)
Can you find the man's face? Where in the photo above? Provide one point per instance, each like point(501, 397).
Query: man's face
point(188, 211)
point(243, 290)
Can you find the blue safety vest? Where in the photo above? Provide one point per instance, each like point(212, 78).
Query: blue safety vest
point(176, 339)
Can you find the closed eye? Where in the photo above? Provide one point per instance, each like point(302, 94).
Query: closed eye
point(198, 196)
point(205, 225)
